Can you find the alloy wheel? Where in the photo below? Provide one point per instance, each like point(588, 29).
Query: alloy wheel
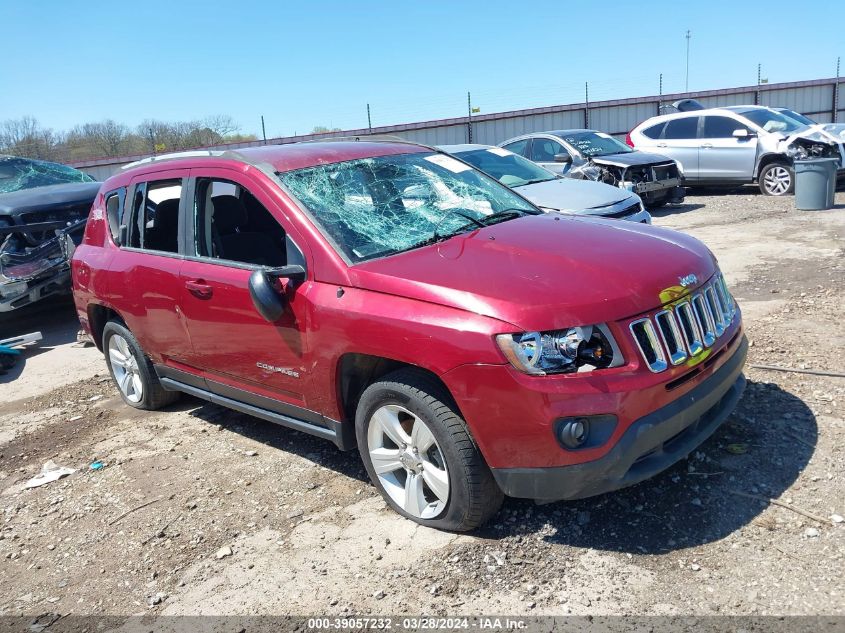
point(777, 181)
point(408, 462)
point(125, 369)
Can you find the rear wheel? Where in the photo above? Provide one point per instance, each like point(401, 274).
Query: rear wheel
point(777, 179)
point(132, 371)
point(418, 452)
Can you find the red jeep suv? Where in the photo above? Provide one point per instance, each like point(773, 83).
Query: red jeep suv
point(388, 296)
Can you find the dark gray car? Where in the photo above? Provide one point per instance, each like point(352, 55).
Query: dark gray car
point(593, 155)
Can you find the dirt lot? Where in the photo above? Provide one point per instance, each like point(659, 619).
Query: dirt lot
point(231, 515)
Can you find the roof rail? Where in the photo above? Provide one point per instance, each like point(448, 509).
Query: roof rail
point(203, 153)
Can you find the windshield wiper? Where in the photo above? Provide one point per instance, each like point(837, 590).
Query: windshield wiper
point(503, 216)
point(536, 180)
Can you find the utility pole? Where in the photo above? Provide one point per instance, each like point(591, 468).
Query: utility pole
point(836, 94)
point(152, 140)
point(369, 120)
point(469, 118)
point(587, 104)
point(263, 131)
point(660, 93)
point(686, 87)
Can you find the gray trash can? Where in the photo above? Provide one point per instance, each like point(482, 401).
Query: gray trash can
point(815, 183)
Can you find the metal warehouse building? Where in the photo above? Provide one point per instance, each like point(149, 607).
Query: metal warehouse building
point(820, 99)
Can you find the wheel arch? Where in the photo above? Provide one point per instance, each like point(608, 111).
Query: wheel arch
point(768, 159)
point(98, 316)
point(357, 371)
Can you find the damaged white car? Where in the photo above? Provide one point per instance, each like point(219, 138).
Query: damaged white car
point(592, 155)
point(737, 145)
point(43, 210)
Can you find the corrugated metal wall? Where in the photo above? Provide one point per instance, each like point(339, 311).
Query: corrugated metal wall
point(813, 98)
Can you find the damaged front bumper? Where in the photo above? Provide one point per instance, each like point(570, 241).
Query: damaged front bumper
point(31, 274)
point(659, 183)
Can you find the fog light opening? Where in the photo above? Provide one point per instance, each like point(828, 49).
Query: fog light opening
point(574, 432)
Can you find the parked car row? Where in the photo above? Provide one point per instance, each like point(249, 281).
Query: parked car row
point(396, 299)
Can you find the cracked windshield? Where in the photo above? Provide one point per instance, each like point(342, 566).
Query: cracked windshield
point(22, 173)
point(381, 206)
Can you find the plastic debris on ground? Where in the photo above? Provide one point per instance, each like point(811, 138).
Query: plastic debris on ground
point(50, 472)
point(98, 465)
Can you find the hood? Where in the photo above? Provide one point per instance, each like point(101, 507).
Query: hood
point(546, 271)
point(579, 196)
point(50, 196)
point(631, 158)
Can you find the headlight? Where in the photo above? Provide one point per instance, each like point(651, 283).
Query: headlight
point(560, 351)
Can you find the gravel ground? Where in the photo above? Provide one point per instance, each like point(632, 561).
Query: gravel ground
point(200, 510)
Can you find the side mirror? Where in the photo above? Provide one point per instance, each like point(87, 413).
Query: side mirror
point(742, 134)
point(563, 158)
point(269, 302)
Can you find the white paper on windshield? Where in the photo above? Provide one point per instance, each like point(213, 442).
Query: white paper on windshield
point(498, 151)
point(447, 162)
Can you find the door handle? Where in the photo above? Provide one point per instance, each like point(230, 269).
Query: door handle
point(707, 146)
point(661, 145)
point(199, 289)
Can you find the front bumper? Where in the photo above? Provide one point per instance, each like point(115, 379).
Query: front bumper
point(650, 444)
point(51, 284)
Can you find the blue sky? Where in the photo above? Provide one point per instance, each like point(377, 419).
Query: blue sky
point(302, 64)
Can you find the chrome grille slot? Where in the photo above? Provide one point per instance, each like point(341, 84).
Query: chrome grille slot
point(689, 328)
point(715, 311)
point(705, 320)
point(650, 348)
point(671, 335)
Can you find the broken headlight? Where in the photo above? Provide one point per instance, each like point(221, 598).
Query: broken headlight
point(560, 351)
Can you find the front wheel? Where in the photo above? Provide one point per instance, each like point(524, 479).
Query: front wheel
point(777, 179)
point(419, 454)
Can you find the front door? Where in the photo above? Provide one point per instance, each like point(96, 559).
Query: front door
point(543, 151)
point(722, 156)
point(236, 228)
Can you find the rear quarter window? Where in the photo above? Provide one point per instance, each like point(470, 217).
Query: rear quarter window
point(654, 131)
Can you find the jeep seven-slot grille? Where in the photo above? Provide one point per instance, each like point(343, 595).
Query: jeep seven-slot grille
point(686, 328)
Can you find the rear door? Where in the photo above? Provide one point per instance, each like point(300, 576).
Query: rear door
point(723, 156)
point(236, 228)
point(144, 284)
point(679, 141)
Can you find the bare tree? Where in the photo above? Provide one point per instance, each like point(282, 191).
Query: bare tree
point(109, 137)
point(26, 137)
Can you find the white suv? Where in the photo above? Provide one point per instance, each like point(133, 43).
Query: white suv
point(734, 145)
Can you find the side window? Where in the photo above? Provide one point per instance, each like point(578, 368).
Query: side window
point(543, 150)
point(654, 131)
point(114, 211)
point(154, 223)
point(685, 128)
point(517, 147)
point(721, 127)
point(232, 225)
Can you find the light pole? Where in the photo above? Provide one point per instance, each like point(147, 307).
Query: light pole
point(686, 88)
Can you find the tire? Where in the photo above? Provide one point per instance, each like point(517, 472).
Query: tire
point(659, 203)
point(401, 401)
point(132, 371)
point(777, 179)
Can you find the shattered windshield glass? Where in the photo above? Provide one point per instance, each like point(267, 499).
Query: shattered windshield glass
point(380, 206)
point(772, 121)
point(506, 167)
point(596, 144)
point(24, 173)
